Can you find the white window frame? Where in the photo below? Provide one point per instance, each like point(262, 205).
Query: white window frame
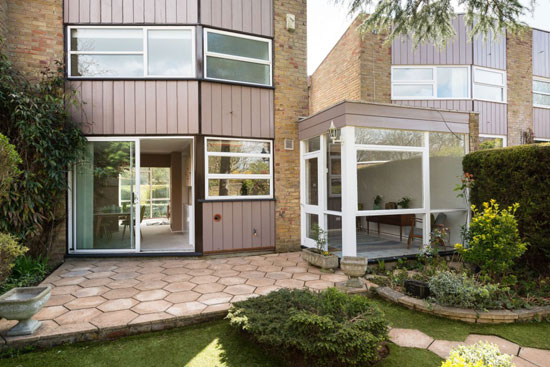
point(490, 136)
point(544, 80)
point(144, 52)
point(228, 176)
point(502, 86)
point(432, 82)
point(238, 58)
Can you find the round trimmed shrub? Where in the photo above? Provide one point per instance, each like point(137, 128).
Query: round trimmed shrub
point(328, 328)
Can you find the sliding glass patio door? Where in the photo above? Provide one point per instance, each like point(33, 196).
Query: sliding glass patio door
point(106, 198)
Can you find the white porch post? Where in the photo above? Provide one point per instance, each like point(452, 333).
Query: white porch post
point(427, 222)
point(349, 191)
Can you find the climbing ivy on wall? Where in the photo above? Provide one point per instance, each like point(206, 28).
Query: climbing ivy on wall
point(34, 117)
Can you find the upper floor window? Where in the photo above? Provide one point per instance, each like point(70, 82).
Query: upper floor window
point(430, 82)
point(235, 57)
point(238, 168)
point(541, 93)
point(131, 52)
point(489, 85)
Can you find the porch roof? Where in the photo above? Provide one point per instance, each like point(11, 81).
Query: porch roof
point(383, 115)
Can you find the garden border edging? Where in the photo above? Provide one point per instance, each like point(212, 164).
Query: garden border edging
point(463, 314)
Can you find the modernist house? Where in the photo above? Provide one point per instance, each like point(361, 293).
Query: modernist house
point(200, 139)
point(506, 80)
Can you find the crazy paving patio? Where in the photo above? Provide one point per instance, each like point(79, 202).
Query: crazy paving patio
point(104, 298)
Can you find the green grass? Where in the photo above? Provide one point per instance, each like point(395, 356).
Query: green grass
point(529, 334)
point(403, 357)
point(209, 344)
point(217, 344)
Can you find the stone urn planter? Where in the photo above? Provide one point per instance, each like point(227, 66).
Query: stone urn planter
point(354, 268)
point(316, 258)
point(22, 304)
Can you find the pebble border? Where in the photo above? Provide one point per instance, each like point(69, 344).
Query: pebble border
point(462, 314)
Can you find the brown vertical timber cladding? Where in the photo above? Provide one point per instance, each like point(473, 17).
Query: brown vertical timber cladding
point(244, 225)
point(137, 107)
point(250, 16)
point(234, 110)
point(131, 11)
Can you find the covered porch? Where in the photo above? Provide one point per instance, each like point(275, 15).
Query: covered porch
point(379, 179)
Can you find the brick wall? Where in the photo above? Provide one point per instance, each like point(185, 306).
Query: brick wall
point(519, 63)
point(375, 69)
point(358, 68)
point(291, 102)
point(34, 32)
point(338, 76)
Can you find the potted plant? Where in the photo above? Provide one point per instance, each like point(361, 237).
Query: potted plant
point(318, 256)
point(404, 202)
point(378, 202)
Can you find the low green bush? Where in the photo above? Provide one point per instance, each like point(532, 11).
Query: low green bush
point(459, 290)
point(26, 272)
point(519, 174)
point(493, 240)
point(478, 355)
point(10, 249)
point(328, 328)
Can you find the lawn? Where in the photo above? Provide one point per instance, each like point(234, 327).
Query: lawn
point(217, 344)
point(529, 334)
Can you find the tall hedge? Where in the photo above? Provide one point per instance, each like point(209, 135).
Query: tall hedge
point(516, 174)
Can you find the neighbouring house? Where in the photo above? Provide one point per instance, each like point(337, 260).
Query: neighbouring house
point(506, 80)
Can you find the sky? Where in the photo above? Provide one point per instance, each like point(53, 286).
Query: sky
point(327, 22)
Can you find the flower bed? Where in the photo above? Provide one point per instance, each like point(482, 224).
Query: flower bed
point(463, 314)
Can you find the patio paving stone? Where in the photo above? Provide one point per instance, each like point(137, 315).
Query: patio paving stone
point(176, 278)
point(125, 283)
point(101, 274)
point(443, 347)
point(68, 289)
point(71, 274)
point(151, 284)
point(265, 290)
point(537, 356)
point(115, 318)
point(239, 289)
point(69, 281)
point(59, 300)
point(129, 275)
point(187, 308)
point(151, 306)
point(118, 304)
point(150, 317)
point(209, 288)
point(77, 316)
point(151, 276)
point(260, 282)
point(278, 275)
point(49, 313)
point(504, 345)
point(295, 269)
point(90, 292)
point(175, 271)
point(270, 268)
point(217, 308)
point(98, 282)
point(245, 267)
point(290, 283)
point(151, 295)
point(410, 338)
point(180, 286)
point(85, 302)
point(334, 277)
point(232, 280)
point(215, 298)
point(306, 276)
point(204, 279)
point(319, 284)
point(120, 293)
point(181, 297)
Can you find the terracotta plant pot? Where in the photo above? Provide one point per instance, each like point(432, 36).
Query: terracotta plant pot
point(315, 258)
point(354, 268)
